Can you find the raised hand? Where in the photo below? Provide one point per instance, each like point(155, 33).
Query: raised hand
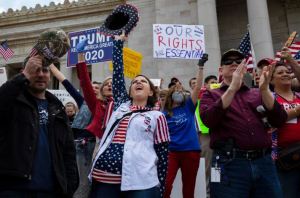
point(80, 48)
point(266, 76)
point(286, 54)
point(81, 45)
point(237, 76)
point(121, 37)
point(33, 64)
point(203, 60)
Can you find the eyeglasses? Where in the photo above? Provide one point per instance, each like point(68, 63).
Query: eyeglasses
point(230, 61)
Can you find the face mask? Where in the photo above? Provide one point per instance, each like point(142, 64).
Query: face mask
point(178, 97)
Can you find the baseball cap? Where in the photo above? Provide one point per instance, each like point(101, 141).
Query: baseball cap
point(232, 52)
point(264, 61)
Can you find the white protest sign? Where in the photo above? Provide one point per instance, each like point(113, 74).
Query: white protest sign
point(178, 41)
point(3, 76)
point(62, 95)
point(156, 82)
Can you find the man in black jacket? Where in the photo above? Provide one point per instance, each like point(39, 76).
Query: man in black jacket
point(37, 154)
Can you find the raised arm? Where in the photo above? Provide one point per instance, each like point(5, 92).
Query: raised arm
point(67, 84)
point(237, 79)
point(118, 82)
point(213, 105)
point(286, 54)
point(60, 77)
point(264, 81)
point(85, 83)
point(275, 113)
point(199, 79)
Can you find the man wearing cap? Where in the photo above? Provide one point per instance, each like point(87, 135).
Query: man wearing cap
point(241, 161)
point(37, 153)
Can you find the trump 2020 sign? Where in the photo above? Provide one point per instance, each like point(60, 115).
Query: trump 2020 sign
point(98, 48)
point(178, 41)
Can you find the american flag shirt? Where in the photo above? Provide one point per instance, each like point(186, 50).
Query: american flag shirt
point(109, 165)
point(108, 168)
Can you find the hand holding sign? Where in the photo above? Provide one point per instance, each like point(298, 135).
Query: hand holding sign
point(80, 48)
point(81, 45)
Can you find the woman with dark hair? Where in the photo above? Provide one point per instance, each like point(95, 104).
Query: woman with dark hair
point(132, 157)
point(184, 147)
point(289, 133)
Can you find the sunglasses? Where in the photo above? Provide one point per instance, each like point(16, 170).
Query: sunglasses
point(230, 61)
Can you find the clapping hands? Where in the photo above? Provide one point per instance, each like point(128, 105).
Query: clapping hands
point(237, 76)
point(266, 76)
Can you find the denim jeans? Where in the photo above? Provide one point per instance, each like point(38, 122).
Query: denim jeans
point(26, 194)
point(84, 154)
point(102, 190)
point(290, 182)
point(242, 178)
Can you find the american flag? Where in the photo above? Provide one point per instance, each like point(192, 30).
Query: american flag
point(297, 56)
point(245, 48)
point(295, 50)
point(33, 51)
point(6, 52)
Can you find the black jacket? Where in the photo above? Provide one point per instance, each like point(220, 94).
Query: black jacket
point(19, 130)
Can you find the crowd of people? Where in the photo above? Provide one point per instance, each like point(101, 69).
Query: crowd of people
point(113, 143)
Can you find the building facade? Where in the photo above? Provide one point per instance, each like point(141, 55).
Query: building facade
point(269, 21)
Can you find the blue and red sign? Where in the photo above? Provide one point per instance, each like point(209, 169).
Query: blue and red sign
point(98, 48)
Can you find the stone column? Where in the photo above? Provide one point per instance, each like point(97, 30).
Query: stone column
point(100, 71)
point(207, 16)
point(260, 31)
point(66, 71)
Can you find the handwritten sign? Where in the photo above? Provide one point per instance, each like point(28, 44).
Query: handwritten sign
point(132, 63)
point(62, 95)
point(156, 82)
point(178, 41)
point(99, 48)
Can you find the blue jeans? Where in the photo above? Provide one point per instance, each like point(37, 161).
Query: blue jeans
point(290, 182)
point(84, 153)
point(242, 178)
point(26, 194)
point(102, 190)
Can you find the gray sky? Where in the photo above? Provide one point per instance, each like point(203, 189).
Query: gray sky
point(17, 4)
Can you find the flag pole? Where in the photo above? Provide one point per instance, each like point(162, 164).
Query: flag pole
point(252, 48)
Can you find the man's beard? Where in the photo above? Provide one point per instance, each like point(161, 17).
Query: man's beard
point(36, 90)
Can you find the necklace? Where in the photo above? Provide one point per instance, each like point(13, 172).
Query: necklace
point(288, 101)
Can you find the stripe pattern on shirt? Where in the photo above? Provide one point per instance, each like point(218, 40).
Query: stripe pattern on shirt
point(162, 132)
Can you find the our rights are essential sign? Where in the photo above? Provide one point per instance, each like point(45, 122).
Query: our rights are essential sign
point(98, 48)
point(178, 41)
